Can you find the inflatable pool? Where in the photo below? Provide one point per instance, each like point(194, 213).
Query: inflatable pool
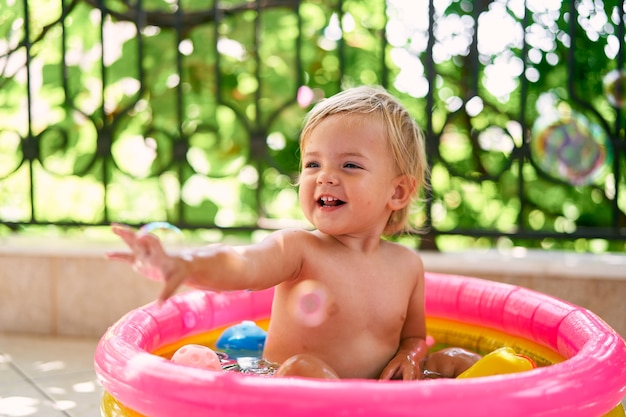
point(581, 373)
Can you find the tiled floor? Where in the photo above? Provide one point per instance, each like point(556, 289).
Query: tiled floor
point(48, 377)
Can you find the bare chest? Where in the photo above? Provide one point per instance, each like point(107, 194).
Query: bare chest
point(365, 295)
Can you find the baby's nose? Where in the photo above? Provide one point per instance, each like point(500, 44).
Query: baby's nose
point(327, 177)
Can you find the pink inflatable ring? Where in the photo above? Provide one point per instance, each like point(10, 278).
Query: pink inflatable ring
point(589, 381)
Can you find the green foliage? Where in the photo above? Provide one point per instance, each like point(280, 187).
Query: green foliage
point(191, 117)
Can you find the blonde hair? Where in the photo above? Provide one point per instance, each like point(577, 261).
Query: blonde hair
point(404, 137)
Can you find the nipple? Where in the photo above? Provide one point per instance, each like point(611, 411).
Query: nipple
point(309, 303)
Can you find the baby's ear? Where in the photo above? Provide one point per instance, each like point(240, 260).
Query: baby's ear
point(405, 186)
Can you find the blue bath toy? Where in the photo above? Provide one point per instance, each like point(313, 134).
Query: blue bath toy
point(245, 339)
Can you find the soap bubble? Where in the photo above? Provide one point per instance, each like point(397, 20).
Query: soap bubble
point(156, 226)
point(614, 86)
point(571, 148)
point(309, 303)
point(170, 236)
point(165, 231)
point(307, 96)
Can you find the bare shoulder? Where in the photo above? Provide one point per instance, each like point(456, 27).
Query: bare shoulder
point(293, 235)
point(404, 255)
point(292, 240)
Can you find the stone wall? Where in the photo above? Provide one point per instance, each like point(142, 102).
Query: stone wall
point(67, 287)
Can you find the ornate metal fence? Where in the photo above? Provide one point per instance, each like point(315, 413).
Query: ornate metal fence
point(189, 111)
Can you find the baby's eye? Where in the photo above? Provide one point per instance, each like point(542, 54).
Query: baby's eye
point(311, 164)
point(351, 165)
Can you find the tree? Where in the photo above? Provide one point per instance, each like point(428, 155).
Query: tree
point(190, 111)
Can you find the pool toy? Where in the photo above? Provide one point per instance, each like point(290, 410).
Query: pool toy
point(449, 362)
point(501, 361)
point(245, 339)
point(198, 356)
point(581, 361)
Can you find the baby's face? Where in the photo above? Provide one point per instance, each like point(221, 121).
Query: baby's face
point(348, 175)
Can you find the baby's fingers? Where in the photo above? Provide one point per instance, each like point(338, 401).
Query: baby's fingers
point(410, 374)
point(389, 372)
point(120, 256)
point(150, 245)
point(167, 291)
point(169, 288)
point(128, 235)
point(122, 230)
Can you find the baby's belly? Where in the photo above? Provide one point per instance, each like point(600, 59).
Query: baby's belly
point(364, 360)
point(350, 356)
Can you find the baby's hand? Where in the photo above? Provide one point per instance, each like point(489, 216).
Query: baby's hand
point(403, 367)
point(148, 257)
point(450, 362)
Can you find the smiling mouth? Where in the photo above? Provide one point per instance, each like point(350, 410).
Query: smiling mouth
point(330, 202)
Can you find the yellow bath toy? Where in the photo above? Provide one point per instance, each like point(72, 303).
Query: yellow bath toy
point(503, 360)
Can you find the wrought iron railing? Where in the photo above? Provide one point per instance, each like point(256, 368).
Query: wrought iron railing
point(189, 111)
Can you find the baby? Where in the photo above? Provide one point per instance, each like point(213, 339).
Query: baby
point(363, 164)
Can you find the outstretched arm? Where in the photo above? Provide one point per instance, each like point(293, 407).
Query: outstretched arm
point(215, 267)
